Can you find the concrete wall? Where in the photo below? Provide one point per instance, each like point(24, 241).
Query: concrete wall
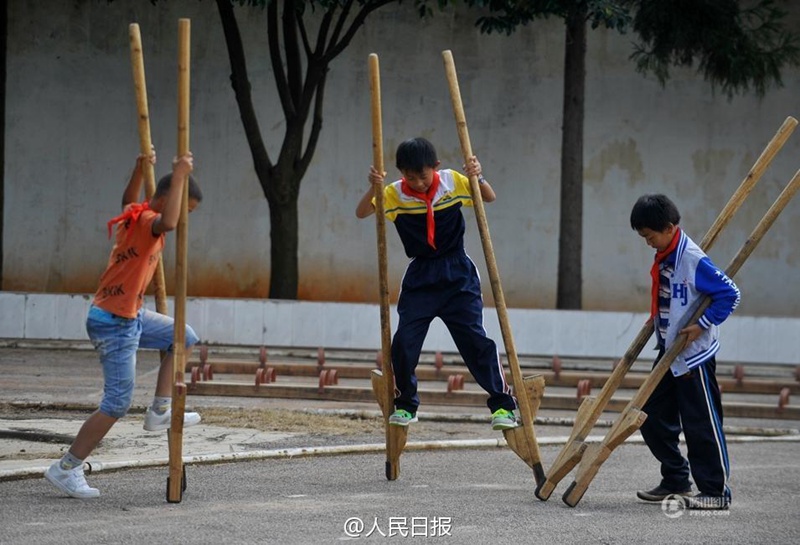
point(306, 324)
point(71, 140)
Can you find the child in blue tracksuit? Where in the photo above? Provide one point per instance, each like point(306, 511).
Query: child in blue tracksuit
point(688, 398)
point(441, 280)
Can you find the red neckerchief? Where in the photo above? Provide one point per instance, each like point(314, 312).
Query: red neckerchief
point(655, 272)
point(427, 197)
point(131, 212)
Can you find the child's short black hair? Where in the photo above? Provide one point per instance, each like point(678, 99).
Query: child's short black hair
point(166, 181)
point(416, 154)
point(655, 212)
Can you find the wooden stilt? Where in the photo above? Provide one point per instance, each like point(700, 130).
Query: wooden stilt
point(396, 436)
point(145, 147)
point(383, 382)
point(517, 438)
point(632, 417)
point(590, 411)
point(529, 452)
point(177, 473)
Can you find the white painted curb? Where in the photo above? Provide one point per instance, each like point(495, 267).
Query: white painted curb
point(371, 448)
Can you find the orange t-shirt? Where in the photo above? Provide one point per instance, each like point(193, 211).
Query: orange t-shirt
point(131, 266)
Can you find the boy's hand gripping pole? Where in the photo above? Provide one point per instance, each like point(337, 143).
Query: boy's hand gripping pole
point(383, 381)
point(522, 440)
point(593, 406)
point(176, 483)
point(632, 417)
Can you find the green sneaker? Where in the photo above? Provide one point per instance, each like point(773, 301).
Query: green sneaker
point(402, 417)
point(503, 419)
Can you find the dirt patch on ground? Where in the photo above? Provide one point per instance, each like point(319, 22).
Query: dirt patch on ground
point(336, 428)
point(289, 421)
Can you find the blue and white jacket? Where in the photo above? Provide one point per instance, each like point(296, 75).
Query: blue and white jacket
point(694, 277)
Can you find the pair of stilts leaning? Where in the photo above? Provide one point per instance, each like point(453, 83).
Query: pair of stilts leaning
point(691, 297)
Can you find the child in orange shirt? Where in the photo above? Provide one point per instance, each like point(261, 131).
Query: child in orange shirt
point(117, 324)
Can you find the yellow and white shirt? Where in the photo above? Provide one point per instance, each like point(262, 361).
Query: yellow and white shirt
point(409, 215)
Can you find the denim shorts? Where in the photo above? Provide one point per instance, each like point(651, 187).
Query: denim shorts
point(117, 339)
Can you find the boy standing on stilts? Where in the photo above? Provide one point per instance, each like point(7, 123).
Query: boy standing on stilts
point(441, 280)
point(118, 325)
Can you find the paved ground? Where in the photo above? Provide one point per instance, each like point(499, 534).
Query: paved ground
point(474, 495)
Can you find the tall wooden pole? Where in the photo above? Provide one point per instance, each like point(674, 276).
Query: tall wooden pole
point(3, 72)
point(176, 482)
point(383, 383)
point(522, 441)
point(145, 147)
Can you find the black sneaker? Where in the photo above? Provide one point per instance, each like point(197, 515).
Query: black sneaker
point(708, 502)
point(659, 493)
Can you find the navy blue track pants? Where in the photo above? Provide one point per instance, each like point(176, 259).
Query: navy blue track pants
point(690, 403)
point(447, 287)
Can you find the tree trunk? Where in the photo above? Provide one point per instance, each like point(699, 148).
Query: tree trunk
point(283, 220)
point(3, 53)
point(570, 239)
point(242, 91)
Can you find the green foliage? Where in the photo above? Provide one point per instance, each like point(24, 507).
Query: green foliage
point(425, 9)
point(302, 4)
point(508, 15)
point(735, 49)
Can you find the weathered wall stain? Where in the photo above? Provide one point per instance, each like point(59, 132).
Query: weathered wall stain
point(621, 154)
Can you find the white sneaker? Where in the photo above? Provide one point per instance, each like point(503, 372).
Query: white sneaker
point(156, 422)
point(70, 481)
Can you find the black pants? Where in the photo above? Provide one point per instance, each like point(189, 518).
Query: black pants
point(692, 403)
point(446, 287)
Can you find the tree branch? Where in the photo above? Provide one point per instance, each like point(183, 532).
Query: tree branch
point(341, 21)
point(322, 35)
point(275, 59)
point(241, 89)
point(294, 63)
point(301, 27)
point(335, 48)
point(316, 126)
